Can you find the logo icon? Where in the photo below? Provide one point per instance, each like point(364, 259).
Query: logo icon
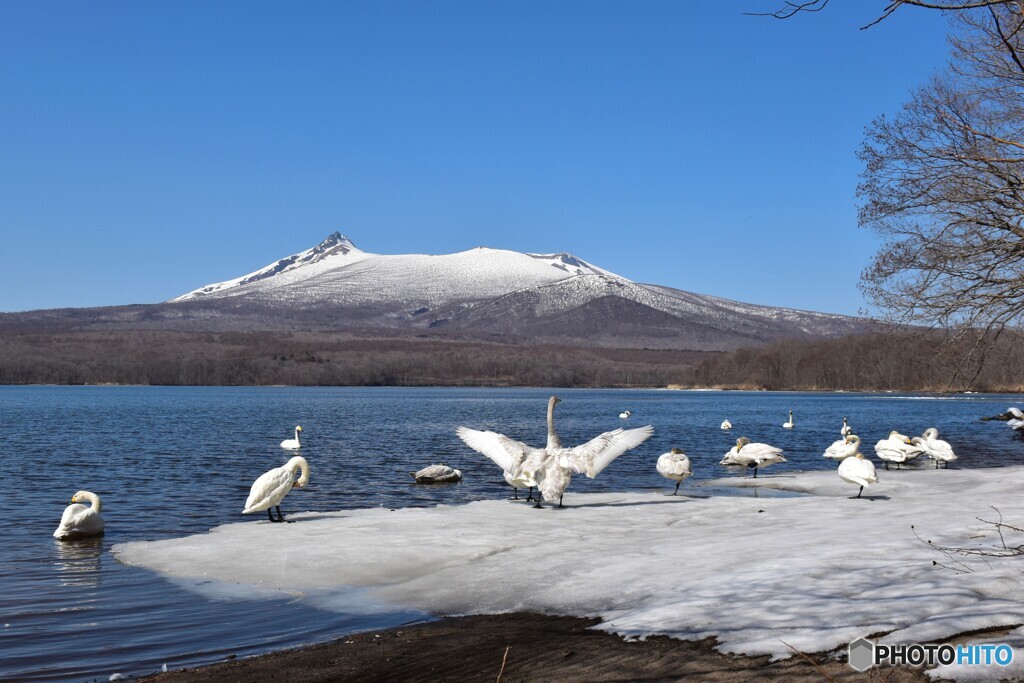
point(861, 654)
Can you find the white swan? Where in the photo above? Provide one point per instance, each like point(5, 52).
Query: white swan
point(293, 444)
point(552, 467)
point(79, 521)
point(1016, 425)
point(846, 429)
point(1016, 412)
point(437, 474)
point(897, 448)
point(509, 454)
point(726, 424)
point(790, 424)
point(857, 470)
point(843, 448)
point(271, 487)
point(674, 465)
point(753, 455)
point(625, 414)
point(935, 448)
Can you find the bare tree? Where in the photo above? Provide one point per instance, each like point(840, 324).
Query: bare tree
point(943, 185)
point(790, 9)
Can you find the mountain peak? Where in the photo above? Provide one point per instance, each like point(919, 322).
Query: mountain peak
point(335, 239)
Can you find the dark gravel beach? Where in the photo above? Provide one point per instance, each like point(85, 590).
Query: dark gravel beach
point(540, 648)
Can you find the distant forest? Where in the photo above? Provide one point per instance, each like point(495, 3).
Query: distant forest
point(865, 362)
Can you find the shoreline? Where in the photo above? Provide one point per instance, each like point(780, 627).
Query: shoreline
point(539, 648)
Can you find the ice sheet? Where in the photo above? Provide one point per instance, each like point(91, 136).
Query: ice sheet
point(814, 571)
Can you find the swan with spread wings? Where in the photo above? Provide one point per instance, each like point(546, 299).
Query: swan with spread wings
point(550, 469)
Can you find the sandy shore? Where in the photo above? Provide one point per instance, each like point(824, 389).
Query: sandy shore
point(540, 648)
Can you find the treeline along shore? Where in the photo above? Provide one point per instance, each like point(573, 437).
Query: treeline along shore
point(867, 362)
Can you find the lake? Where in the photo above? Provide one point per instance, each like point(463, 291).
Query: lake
point(173, 461)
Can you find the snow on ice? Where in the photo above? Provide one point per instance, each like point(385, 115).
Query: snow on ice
point(813, 569)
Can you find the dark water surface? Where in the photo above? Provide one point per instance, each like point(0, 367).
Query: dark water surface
point(174, 461)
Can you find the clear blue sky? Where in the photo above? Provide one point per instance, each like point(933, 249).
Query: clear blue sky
point(148, 148)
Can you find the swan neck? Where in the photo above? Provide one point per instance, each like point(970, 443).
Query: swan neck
point(296, 435)
point(299, 463)
point(95, 500)
point(553, 441)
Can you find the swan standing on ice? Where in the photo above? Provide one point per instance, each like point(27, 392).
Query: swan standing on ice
point(509, 454)
point(552, 467)
point(897, 448)
point(846, 429)
point(726, 424)
point(857, 470)
point(271, 487)
point(935, 448)
point(790, 424)
point(625, 414)
point(293, 444)
point(437, 474)
point(79, 521)
point(843, 448)
point(752, 455)
point(674, 465)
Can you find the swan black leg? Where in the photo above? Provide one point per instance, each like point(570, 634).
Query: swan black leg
point(560, 502)
point(860, 492)
point(676, 492)
point(270, 513)
point(755, 473)
point(280, 517)
point(530, 497)
point(515, 493)
point(537, 504)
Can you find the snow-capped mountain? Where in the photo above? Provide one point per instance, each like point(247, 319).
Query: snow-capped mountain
point(492, 294)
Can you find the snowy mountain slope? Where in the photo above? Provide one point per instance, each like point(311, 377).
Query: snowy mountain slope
point(335, 271)
point(485, 293)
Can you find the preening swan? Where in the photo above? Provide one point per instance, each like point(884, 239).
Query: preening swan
point(293, 444)
point(437, 474)
point(857, 470)
point(790, 424)
point(625, 413)
point(271, 487)
point(846, 429)
point(509, 454)
point(843, 448)
point(897, 448)
point(752, 455)
point(726, 424)
point(79, 521)
point(674, 465)
point(935, 448)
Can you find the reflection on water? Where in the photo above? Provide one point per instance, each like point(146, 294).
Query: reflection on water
point(176, 461)
point(78, 562)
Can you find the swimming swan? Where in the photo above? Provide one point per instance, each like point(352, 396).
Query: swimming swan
point(726, 424)
point(846, 429)
point(674, 465)
point(752, 455)
point(437, 474)
point(271, 487)
point(509, 454)
point(292, 444)
point(79, 521)
point(857, 470)
point(790, 424)
point(843, 448)
point(625, 414)
point(935, 448)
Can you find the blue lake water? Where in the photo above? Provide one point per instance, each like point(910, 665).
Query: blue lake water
point(173, 461)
